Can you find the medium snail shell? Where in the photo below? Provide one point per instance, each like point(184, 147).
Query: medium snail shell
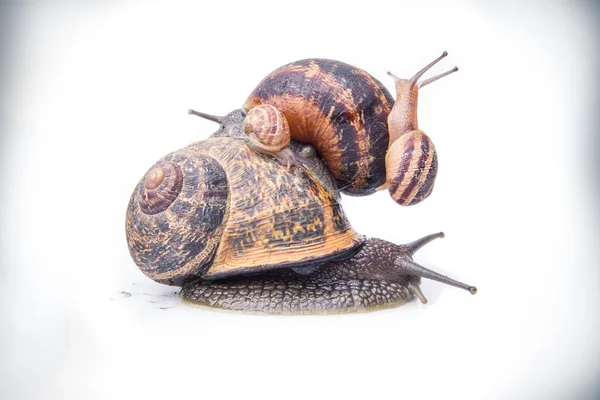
point(341, 110)
point(351, 119)
point(217, 209)
point(162, 185)
point(411, 165)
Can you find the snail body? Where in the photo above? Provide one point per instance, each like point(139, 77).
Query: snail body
point(380, 275)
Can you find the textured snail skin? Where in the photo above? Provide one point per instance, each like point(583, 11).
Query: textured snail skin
point(368, 281)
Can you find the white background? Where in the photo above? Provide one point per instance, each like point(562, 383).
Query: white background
point(93, 93)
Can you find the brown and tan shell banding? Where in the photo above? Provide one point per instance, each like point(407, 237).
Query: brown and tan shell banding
point(278, 217)
point(411, 168)
point(267, 128)
point(339, 109)
point(238, 212)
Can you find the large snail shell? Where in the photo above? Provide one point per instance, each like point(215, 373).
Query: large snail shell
point(277, 217)
point(341, 110)
point(218, 208)
point(175, 216)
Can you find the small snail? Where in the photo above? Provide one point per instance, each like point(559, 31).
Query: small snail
point(240, 231)
point(217, 208)
point(355, 125)
point(269, 133)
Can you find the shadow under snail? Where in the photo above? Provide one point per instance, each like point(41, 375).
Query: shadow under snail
point(241, 231)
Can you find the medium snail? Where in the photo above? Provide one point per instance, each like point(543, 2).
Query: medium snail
point(241, 231)
point(353, 122)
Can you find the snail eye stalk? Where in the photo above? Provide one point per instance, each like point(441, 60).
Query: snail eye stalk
point(209, 117)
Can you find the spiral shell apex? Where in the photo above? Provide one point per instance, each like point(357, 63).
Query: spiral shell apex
point(411, 164)
point(267, 127)
point(175, 216)
point(162, 185)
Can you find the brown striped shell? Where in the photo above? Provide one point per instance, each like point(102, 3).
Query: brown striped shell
point(162, 185)
point(411, 166)
point(267, 128)
point(339, 109)
point(236, 212)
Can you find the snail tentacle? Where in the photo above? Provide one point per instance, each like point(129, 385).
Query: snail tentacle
point(368, 281)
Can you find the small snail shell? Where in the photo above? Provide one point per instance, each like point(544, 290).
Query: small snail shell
point(269, 134)
point(381, 275)
point(411, 167)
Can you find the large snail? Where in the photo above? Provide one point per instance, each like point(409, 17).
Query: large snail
point(241, 231)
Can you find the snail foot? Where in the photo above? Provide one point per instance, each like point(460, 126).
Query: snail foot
point(288, 158)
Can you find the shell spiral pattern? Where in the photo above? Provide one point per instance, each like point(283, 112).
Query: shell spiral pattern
point(175, 216)
point(162, 185)
point(267, 127)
